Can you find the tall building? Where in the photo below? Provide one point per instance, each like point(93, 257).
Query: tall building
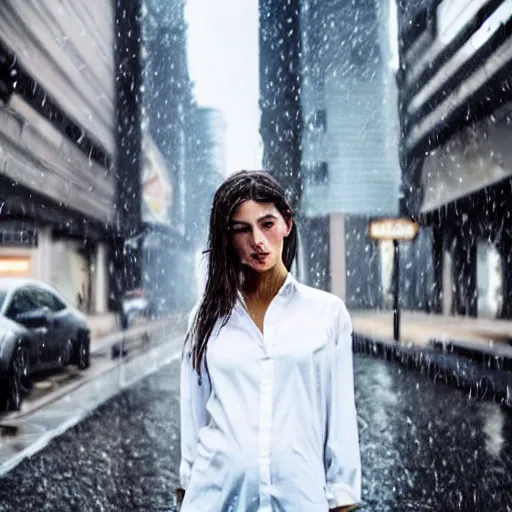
point(206, 170)
point(166, 119)
point(346, 151)
point(125, 270)
point(455, 92)
point(280, 83)
point(349, 165)
point(168, 92)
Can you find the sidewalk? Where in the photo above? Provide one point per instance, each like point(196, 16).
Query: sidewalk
point(105, 330)
point(472, 353)
point(425, 330)
point(102, 325)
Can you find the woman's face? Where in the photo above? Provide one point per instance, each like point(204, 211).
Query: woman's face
point(259, 230)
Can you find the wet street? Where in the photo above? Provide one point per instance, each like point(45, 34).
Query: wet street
point(424, 446)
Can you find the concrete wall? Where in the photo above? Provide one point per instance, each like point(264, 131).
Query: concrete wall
point(63, 265)
point(100, 283)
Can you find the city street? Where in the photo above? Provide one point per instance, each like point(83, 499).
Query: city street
point(378, 138)
point(425, 446)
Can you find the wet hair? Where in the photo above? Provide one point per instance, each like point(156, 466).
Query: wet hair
point(225, 276)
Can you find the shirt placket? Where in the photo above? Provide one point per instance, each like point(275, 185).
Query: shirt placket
point(268, 339)
point(266, 407)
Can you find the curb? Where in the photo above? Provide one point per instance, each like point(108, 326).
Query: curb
point(487, 358)
point(485, 376)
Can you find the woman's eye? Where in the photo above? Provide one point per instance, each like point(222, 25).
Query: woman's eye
point(240, 230)
point(268, 225)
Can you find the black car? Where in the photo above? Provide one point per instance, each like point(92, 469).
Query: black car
point(38, 331)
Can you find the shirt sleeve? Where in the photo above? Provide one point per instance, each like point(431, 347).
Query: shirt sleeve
point(193, 414)
point(342, 456)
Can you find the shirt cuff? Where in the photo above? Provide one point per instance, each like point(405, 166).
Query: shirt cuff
point(340, 495)
point(185, 471)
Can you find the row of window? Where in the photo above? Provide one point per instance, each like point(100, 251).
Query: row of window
point(318, 121)
point(21, 237)
point(317, 173)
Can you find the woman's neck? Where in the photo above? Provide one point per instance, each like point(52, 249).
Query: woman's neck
point(265, 286)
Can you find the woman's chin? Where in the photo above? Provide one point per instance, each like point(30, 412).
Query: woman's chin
point(261, 268)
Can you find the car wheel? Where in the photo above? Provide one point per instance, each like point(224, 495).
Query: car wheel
point(4, 396)
point(84, 351)
point(18, 377)
point(67, 353)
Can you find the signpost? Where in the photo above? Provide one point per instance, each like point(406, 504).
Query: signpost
point(394, 230)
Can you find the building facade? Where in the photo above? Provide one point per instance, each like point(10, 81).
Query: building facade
point(96, 111)
point(455, 108)
point(167, 116)
point(206, 171)
point(58, 147)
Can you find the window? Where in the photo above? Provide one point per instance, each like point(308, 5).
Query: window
point(18, 237)
point(3, 295)
point(319, 174)
point(321, 120)
point(23, 301)
point(318, 121)
point(57, 304)
point(45, 299)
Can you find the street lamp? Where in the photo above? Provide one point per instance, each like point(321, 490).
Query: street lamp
point(394, 230)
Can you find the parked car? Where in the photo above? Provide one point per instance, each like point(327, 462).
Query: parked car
point(39, 331)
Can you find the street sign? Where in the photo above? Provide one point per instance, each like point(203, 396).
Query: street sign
point(393, 229)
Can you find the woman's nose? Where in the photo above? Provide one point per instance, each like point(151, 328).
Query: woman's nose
point(257, 238)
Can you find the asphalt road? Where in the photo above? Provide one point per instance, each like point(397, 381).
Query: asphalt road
point(425, 446)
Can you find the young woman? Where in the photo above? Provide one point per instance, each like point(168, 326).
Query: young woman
point(268, 419)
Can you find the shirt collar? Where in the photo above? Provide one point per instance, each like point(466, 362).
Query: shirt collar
point(285, 291)
point(289, 285)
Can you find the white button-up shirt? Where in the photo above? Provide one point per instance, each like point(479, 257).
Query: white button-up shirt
point(275, 427)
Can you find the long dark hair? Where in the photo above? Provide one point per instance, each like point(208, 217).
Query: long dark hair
point(225, 272)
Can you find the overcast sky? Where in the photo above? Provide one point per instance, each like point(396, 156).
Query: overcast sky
point(223, 63)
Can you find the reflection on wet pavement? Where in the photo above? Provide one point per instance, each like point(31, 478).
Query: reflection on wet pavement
point(430, 447)
point(425, 446)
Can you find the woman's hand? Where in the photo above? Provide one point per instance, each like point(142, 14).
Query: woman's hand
point(180, 494)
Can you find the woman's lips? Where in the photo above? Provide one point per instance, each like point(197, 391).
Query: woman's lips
point(260, 256)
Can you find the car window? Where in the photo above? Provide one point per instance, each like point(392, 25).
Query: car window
point(46, 299)
point(22, 301)
point(3, 295)
point(55, 303)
